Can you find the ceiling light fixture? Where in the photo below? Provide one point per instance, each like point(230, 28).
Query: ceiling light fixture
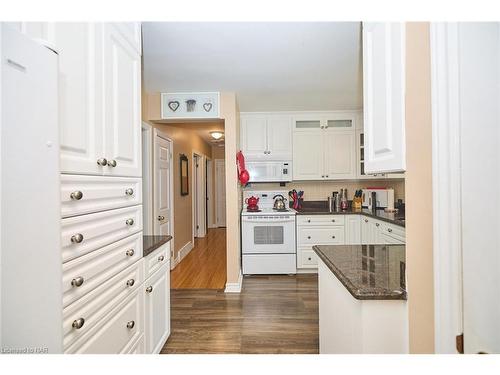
point(216, 135)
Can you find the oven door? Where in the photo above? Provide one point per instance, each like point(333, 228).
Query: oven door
point(268, 234)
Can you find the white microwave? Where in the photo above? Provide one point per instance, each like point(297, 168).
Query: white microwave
point(269, 171)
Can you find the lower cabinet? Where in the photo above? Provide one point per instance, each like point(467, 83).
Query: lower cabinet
point(157, 307)
point(344, 229)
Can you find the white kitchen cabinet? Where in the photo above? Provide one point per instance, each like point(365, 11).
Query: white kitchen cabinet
point(157, 291)
point(308, 158)
point(370, 233)
point(122, 100)
point(340, 155)
point(99, 94)
point(352, 229)
point(384, 96)
point(266, 137)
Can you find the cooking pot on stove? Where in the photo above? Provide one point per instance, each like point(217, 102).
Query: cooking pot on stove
point(279, 202)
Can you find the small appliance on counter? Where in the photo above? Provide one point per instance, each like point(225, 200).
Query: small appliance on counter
point(268, 236)
point(384, 198)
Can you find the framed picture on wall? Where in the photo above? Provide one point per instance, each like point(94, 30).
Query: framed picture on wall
point(184, 175)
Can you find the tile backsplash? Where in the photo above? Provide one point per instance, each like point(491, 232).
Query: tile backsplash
point(320, 190)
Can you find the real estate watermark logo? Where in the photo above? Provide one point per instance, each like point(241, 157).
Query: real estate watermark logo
point(25, 350)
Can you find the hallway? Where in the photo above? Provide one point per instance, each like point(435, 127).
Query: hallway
point(205, 266)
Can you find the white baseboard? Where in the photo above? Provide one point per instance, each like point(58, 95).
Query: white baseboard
point(183, 252)
point(235, 287)
point(212, 226)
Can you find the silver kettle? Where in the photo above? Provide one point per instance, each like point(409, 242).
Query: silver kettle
point(279, 202)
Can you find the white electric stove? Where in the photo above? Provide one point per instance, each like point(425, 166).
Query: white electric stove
point(268, 243)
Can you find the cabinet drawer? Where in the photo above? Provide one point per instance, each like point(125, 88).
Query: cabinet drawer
point(157, 259)
point(98, 193)
point(98, 230)
point(318, 235)
point(98, 266)
point(393, 231)
point(96, 306)
point(117, 332)
point(307, 258)
point(138, 347)
point(320, 220)
point(387, 239)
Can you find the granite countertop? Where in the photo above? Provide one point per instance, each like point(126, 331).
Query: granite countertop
point(151, 243)
point(320, 208)
point(369, 272)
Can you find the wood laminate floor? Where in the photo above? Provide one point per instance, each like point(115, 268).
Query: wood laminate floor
point(205, 265)
point(272, 314)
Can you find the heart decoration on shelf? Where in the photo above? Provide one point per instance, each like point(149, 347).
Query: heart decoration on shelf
point(207, 107)
point(173, 105)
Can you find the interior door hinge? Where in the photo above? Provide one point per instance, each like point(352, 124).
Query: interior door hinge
point(460, 343)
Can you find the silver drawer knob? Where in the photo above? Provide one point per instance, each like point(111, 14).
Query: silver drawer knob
point(309, 258)
point(130, 282)
point(76, 195)
point(389, 229)
point(161, 258)
point(149, 289)
point(308, 220)
point(130, 324)
point(333, 220)
point(333, 236)
point(129, 191)
point(308, 237)
point(366, 220)
point(112, 163)
point(77, 281)
point(130, 252)
point(78, 323)
point(77, 238)
point(102, 162)
point(161, 218)
point(130, 222)
point(377, 224)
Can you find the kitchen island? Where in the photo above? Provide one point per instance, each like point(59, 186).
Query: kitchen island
point(362, 299)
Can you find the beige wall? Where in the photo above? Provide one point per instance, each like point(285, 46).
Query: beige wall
point(320, 190)
point(419, 189)
point(230, 114)
point(217, 153)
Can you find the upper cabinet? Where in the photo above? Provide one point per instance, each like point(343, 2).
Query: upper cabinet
point(266, 137)
point(384, 97)
point(99, 95)
point(324, 146)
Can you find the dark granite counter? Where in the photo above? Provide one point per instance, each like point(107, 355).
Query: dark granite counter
point(151, 243)
point(320, 208)
point(369, 272)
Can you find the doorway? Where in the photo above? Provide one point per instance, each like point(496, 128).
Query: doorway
point(220, 192)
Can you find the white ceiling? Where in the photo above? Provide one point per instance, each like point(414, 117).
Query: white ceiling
point(270, 66)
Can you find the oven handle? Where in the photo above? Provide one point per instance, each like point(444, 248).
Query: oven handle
point(269, 221)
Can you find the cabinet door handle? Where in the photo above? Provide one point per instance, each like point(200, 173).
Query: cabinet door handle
point(308, 237)
point(161, 218)
point(333, 236)
point(78, 323)
point(389, 229)
point(161, 258)
point(326, 176)
point(112, 163)
point(309, 220)
point(130, 222)
point(149, 289)
point(322, 176)
point(333, 220)
point(77, 281)
point(366, 220)
point(102, 162)
point(76, 195)
point(377, 224)
point(130, 324)
point(130, 282)
point(130, 252)
point(129, 191)
point(77, 238)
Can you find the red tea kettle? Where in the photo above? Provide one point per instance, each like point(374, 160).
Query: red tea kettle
point(252, 202)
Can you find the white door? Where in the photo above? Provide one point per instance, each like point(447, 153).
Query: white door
point(157, 290)
point(308, 155)
point(122, 104)
point(340, 154)
point(254, 137)
point(162, 200)
point(479, 59)
point(384, 56)
point(220, 198)
point(79, 46)
point(279, 137)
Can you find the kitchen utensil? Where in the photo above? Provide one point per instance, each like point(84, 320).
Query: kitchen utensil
point(252, 203)
point(279, 202)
